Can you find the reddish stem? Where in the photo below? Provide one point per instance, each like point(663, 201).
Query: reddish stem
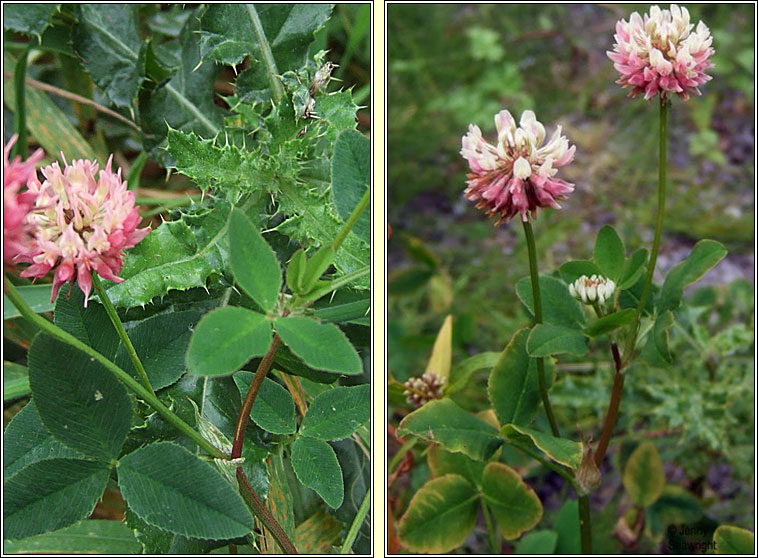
point(613, 407)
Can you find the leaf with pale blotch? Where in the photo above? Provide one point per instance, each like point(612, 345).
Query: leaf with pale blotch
point(445, 423)
point(565, 452)
point(644, 478)
point(442, 462)
point(440, 516)
point(514, 504)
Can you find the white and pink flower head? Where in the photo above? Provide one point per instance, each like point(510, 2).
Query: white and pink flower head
point(660, 53)
point(17, 233)
point(518, 174)
point(81, 224)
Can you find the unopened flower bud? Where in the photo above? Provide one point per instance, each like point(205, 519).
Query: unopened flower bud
point(592, 289)
point(424, 389)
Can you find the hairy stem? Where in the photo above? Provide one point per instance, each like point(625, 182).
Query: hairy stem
point(538, 320)
point(119, 327)
point(252, 393)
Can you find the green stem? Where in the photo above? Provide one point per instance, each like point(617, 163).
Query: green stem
point(116, 321)
point(492, 533)
point(132, 179)
point(662, 134)
point(356, 524)
point(277, 89)
point(125, 378)
point(538, 320)
point(585, 525)
point(352, 218)
point(19, 86)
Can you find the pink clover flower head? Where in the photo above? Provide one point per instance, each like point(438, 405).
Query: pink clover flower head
point(518, 174)
point(83, 224)
point(660, 53)
point(17, 233)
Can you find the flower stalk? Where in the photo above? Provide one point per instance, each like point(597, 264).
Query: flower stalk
point(119, 327)
point(538, 320)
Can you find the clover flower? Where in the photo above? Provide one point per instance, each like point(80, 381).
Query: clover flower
point(424, 389)
point(17, 233)
point(661, 54)
point(518, 174)
point(592, 289)
point(81, 224)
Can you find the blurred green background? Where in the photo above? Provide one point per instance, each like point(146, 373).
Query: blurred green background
point(451, 65)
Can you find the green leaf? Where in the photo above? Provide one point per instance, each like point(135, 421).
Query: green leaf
point(26, 441)
point(157, 541)
point(70, 487)
point(316, 466)
point(225, 339)
point(461, 373)
point(513, 386)
point(295, 271)
point(107, 40)
point(316, 265)
point(440, 516)
point(704, 256)
point(177, 255)
point(321, 345)
point(273, 409)
point(609, 252)
point(253, 262)
point(677, 506)
point(185, 102)
point(356, 475)
point(161, 344)
point(566, 524)
point(337, 413)
point(608, 323)
point(644, 478)
point(733, 540)
point(29, 19)
point(442, 462)
point(80, 402)
point(196, 503)
point(277, 37)
point(513, 503)
point(90, 536)
point(571, 271)
point(351, 174)
point(558, 306)
point(345, 307)
point(15, 381)
point(633, 268)
point(90, 325)
point(46, 122)
point(546, 339)
point(656, 350)
point(566, 452)
point(287, 362)
point(36, 296)
point(445, 423)
point(537, 542)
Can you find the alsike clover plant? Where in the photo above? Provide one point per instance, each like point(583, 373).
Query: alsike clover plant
point(608, 299)
point(210, 370)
